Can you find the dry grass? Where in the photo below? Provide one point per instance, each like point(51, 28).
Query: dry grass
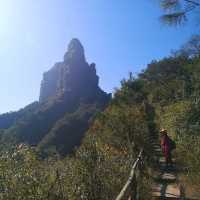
point(191, 190)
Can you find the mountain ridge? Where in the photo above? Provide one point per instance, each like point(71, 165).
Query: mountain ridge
point(69, 88)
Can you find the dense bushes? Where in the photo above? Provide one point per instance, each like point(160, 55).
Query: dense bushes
point(97, 170)
point(165, 95)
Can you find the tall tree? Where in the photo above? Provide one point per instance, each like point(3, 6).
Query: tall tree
point(176, 11)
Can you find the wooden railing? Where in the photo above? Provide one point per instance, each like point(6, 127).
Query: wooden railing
point(130, 189)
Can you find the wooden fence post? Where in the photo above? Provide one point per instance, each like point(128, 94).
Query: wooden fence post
point(131, 187)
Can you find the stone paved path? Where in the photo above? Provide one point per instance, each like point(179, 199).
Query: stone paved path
point(166, 184)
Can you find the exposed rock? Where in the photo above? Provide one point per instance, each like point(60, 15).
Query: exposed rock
point(73, 75)
point(69, 98)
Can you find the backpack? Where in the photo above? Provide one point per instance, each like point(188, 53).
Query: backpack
point(172, 144)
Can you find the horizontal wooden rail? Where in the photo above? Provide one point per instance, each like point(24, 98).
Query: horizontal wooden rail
point(131, 178)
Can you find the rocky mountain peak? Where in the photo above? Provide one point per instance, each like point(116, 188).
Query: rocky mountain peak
point(75, 52)
point(73, 77)
point(69, 98)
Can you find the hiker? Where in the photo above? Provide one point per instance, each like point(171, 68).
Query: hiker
point(167, 145)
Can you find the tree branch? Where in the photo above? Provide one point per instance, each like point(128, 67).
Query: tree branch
point(192, 2)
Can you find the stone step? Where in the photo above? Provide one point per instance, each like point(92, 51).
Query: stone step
point(168, 176)
point(165, 179)
point(155, 145)
point(164, 176)
point(162, 160)
point(166, 191)
point(158, 150)
point(154, 141)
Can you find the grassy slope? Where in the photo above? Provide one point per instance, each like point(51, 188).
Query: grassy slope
point(165, 95)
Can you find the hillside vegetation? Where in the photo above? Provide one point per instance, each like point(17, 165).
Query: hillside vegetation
point(70, 96)
point(166, 94)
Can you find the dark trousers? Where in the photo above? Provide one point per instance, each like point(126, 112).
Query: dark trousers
point(168, 158)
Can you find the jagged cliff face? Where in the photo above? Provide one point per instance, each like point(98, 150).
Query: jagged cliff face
point(69, 98)
point(73, 76)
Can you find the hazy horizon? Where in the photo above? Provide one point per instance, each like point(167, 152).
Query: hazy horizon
point(118, 36)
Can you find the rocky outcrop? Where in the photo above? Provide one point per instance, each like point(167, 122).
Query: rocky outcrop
point(73, 76)
point(69, 98)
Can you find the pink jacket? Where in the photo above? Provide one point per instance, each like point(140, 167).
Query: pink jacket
point(165, 144)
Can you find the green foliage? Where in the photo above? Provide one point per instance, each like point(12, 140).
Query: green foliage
point(171, 87)
point(191, 48)
point(58, 123)
point(165, 95)
point(179, 113)
point(112, 144)
point(176, 12)
point(8, 119)
point(188, 156)
point(174, 117)
point(23, 175)
point(69, 130)
point(97, 171)
point(108, 151)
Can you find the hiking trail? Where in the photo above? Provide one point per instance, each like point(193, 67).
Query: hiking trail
point(166, 184)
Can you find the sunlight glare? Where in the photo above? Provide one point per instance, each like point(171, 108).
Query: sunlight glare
point(6, 17)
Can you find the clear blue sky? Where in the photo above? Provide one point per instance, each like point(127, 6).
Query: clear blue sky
point(118, 35)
